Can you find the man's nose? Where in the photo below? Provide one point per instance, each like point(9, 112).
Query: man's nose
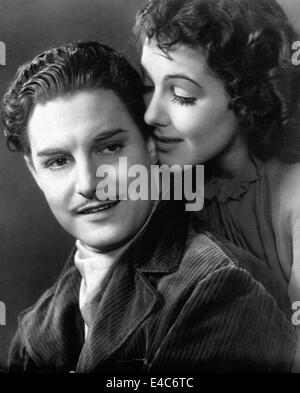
point(156, 114)
point(86, 179)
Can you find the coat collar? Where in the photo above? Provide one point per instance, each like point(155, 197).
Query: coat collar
point(160, 246)
point(52, 330)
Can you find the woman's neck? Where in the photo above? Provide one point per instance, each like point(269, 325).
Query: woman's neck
point(233, 159)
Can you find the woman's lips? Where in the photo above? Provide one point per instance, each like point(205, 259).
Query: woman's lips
point(166, 143)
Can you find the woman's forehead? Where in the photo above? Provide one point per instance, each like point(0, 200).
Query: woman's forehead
point(180, 60)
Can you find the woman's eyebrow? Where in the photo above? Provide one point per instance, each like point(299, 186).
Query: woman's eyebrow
point(181, 76)
point(167, 77)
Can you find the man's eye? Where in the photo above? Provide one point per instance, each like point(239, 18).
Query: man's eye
point(57, 163)
point(112, 148)
point(148, 86)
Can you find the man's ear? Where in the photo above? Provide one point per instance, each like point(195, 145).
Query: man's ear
point(152, 150)
point(30, 166)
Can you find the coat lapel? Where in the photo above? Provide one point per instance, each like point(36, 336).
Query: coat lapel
point(127, 300)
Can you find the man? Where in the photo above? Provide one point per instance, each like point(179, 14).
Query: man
point(145, 290)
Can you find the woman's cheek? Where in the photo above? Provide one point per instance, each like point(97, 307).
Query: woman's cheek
point(190, 124)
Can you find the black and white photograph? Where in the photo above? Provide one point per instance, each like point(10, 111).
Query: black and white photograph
point(150, 189)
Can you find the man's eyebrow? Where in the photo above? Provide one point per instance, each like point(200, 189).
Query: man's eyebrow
point(110, 133)
point(143, 71)
point(51, 152)
point(104, 135)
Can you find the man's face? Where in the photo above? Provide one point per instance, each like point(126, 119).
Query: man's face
point(70, 137)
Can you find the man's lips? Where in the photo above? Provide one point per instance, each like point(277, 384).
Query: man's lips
point(96, 207)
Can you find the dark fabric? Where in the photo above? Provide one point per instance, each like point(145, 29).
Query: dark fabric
point(239, 209)
point(177, 302)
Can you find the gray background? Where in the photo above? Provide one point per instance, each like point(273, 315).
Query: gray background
point(33, 247)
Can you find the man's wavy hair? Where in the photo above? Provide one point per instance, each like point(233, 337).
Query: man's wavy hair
point(248, 45)
point(61, 71)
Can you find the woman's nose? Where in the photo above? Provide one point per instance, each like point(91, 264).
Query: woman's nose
point(156, 114)
point(86, 179)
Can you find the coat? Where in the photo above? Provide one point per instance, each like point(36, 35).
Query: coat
point(179, 301)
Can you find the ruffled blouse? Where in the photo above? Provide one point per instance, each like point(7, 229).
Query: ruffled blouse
point(239, 209)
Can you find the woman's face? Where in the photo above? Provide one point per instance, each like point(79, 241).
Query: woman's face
point(187, 105)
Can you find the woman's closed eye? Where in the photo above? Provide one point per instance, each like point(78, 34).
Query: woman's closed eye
point(181, 96)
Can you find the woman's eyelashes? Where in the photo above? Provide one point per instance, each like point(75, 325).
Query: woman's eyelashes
point(183, 100)
point(181, 96)
point(178, 95)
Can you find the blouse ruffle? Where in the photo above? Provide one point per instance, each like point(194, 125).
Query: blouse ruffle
point(225, 189)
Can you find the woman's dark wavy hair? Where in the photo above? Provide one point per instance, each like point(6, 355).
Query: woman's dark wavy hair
point(248, 45)
point(64, 70)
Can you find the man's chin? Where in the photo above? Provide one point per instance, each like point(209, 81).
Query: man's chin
point(106, 245)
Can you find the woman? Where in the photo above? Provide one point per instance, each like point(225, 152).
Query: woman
point(221, 90)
